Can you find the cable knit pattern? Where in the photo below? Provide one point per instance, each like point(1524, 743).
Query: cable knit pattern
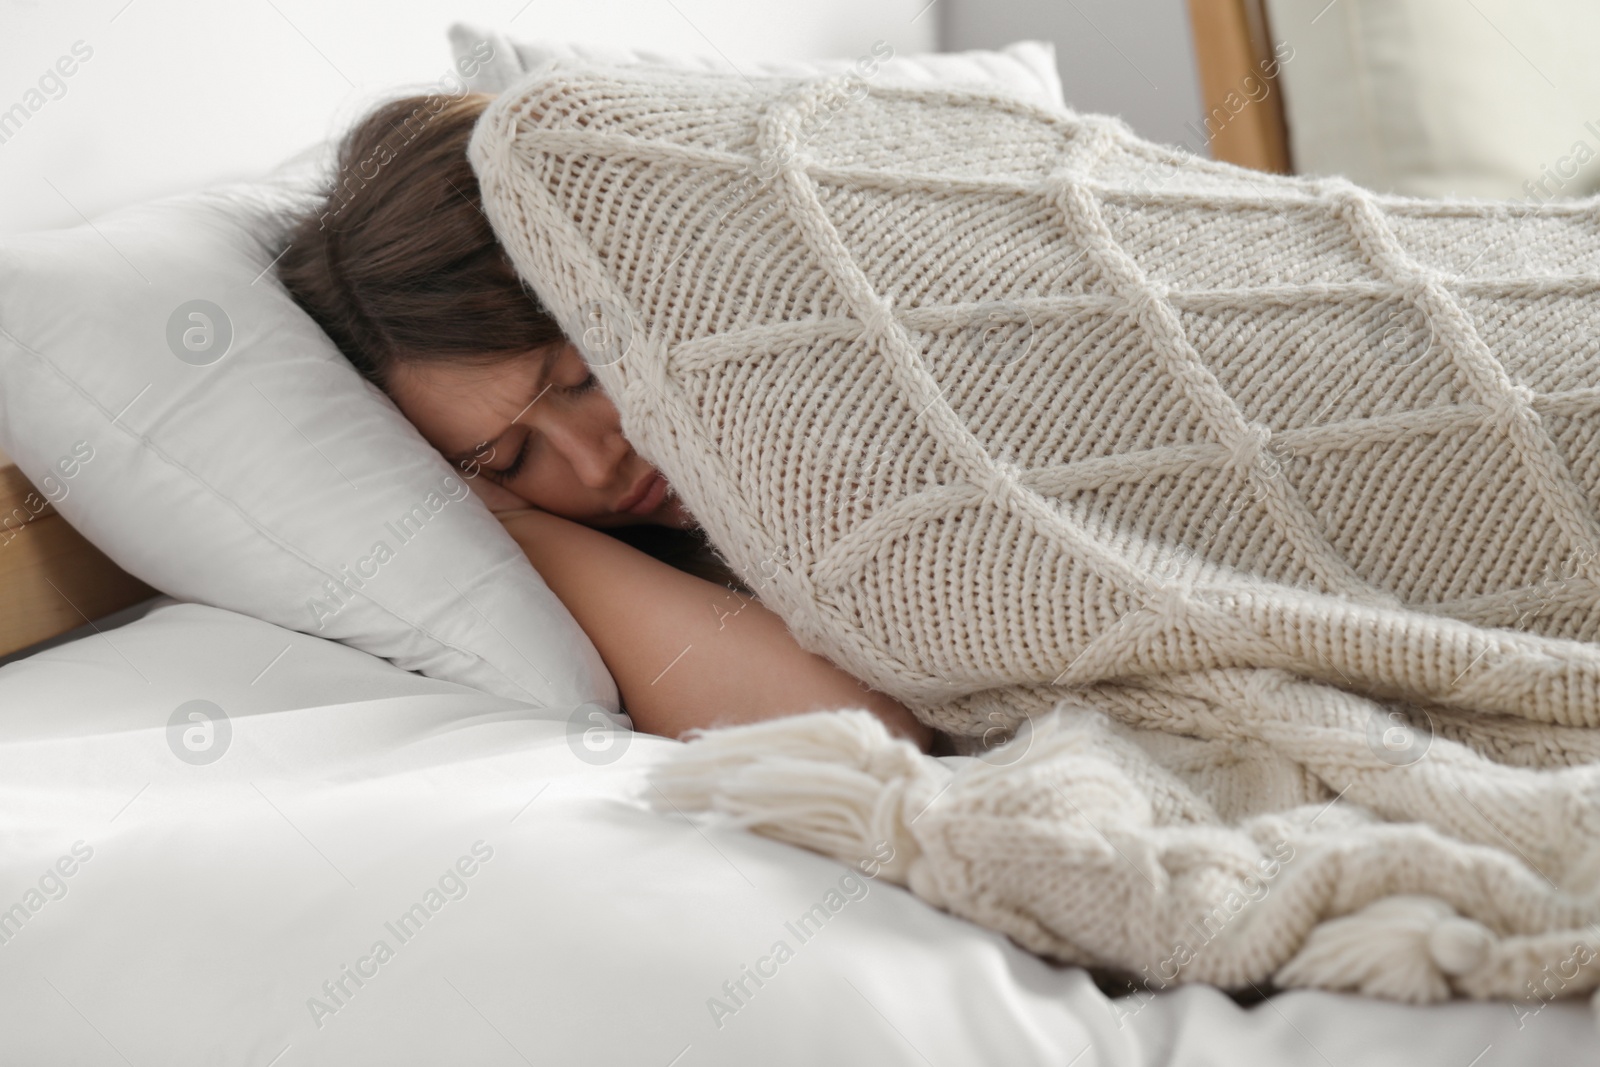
point(1291, 488)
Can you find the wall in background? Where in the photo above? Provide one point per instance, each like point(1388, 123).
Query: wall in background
point(1132, 58)
point(175, 94)
point(179, 93)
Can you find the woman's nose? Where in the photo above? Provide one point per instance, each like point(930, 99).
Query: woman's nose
point(594, 450)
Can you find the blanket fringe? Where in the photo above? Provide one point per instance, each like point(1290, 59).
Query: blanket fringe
point(1402, 947)
point(833, 782)
point(838, 783)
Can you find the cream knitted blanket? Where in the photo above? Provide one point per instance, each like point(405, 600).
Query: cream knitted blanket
point(1264, 508)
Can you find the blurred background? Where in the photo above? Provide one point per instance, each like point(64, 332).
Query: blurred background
point(109, 102)
point(177, 93)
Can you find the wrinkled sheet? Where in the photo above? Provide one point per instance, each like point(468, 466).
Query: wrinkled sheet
point(219, 901)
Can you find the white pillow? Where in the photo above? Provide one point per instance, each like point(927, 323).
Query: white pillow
point(221, 449)
point(1492, 98)
point(1026, 68)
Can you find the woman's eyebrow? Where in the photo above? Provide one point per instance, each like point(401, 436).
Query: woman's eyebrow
point(547, 358)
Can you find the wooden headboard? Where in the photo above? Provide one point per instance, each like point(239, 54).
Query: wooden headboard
point(52, 579)
point(1234, 53)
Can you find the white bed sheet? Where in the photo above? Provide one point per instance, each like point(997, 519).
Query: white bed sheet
point(219, 898)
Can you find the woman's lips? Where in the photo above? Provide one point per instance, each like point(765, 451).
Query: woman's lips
point(655, 490)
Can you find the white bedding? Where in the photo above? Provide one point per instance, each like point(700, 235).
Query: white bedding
point(217, 898)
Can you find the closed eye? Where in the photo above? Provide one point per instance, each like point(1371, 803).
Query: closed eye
point(505, 474)
point(510, 471)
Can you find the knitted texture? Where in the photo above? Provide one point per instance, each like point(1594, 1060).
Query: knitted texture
point(1014, 415)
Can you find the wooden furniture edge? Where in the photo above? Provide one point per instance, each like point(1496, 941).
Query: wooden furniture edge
point(1234, 55)
point(51, 579)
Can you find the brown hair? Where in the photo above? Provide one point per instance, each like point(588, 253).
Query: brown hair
point(398, 263)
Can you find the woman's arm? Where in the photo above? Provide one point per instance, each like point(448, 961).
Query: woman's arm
point(685, 652)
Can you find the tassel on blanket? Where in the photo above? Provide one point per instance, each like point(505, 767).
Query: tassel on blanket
point(1401, 947)
point(1014, 841)
point(836, 783)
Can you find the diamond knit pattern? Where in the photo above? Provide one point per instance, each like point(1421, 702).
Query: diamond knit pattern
point(998, 406)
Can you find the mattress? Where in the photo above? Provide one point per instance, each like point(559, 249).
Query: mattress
point(228, 843)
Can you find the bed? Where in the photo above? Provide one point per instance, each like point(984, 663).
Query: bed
point(224, 912)
point(230, 841)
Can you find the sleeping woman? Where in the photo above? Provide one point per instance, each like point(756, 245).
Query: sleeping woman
point(1256, 498)
point(400, 267)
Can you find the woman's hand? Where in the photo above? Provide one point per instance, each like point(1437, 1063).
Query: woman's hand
point(685, 652)
point(496, 497)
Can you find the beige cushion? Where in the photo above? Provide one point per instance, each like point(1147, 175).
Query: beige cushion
point(1491, 98)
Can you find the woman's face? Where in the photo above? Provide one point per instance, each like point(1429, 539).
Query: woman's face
point(537, 430)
